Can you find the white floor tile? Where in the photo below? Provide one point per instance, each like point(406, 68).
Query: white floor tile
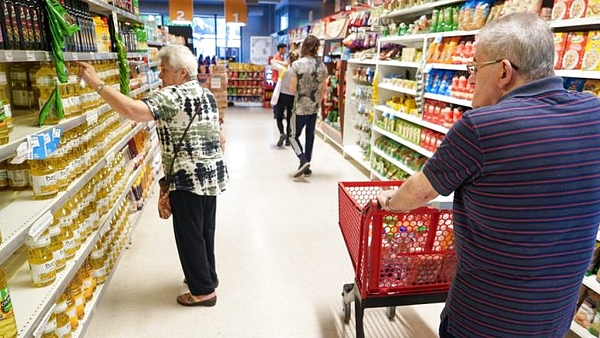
point(281, 258)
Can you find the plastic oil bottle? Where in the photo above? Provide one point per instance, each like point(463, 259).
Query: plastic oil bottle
point(3, 175)
point(4, 128)
point(18, 176)
point(56, 246)
point(43, 179)
point(71, 308)
point(97, 263)
point(88, 282)
point(76, 292)
point(67, 237)
point(19, 89)
point(6, 100)
point(45, 82)
point(63, 322)
point(41, 261)
point(8, 325)
point(50, 327)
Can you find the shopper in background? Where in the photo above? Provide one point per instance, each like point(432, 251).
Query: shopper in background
point(524, 166)
point(308, 82)
point(285, 102)
point(280, 57)
point(199, 173)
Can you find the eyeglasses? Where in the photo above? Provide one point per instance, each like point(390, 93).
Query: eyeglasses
point(474, 66)
point(164, 70)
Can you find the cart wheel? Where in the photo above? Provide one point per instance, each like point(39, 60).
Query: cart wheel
point(347, 313)
point(391, 312)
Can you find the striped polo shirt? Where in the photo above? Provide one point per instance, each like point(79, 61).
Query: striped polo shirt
point(526, 176)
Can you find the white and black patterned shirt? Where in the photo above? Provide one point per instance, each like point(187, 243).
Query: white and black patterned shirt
point(311, 73)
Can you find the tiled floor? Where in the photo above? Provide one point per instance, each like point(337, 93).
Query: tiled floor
point(281, 258)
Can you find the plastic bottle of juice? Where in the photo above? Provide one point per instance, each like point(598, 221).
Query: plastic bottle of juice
point(43, 179)
point(56, 245)
point(71, 308)
point(63, 322)
point(41, 261)
point(8, 325)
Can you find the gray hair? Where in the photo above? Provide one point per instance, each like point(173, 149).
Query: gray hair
point(179, 56)
point(523, 39)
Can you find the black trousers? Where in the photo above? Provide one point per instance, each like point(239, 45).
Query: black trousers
point(284, 110)
point(299, 122)
point(194, 220)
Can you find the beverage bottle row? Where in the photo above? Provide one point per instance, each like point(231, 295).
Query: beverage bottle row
point(24, 25)
point(84, 40)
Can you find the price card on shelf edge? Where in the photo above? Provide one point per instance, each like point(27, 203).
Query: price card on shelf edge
point(30, 55)
point(41, 224)
point(92, 116)
point(9, 55)
point(40, 329)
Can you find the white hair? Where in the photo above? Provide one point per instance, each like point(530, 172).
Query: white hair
point(178, 57)
point(523, 39)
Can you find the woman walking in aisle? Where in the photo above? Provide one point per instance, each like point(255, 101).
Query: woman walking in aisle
point(285, 102)
point(308, 82)
point(199, 170)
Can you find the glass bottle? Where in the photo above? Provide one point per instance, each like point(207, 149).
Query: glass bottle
point(8, 325)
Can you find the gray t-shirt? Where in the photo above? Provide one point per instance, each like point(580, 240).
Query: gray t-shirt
point(311, 73)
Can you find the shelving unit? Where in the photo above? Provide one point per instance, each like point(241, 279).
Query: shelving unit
point(245, 87)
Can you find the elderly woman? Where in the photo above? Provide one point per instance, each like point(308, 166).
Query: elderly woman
point(199, 170)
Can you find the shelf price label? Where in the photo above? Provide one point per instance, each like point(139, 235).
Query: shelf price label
point(9, 55)
point(30, 55)
point(92, 117)
point(41, 225)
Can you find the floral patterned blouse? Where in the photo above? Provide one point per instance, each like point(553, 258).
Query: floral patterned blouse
point(200, 166)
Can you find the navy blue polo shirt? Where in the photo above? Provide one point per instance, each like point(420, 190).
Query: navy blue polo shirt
point(526, 176)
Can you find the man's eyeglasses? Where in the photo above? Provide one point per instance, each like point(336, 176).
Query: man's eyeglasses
point(473, 67)
point(164, 70)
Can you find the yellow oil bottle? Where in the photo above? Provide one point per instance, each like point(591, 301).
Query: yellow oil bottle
point(43, 179)
point(19, 90)
point(97, 262)
point(3, 175)
point(8, 325)
point(18, 176)
point(77, 293)
point(71, 309)
point(4, 126)
point(41, 262)
point(67, 237)
point(88, 282)
point(49, 328)
point(5, 97)
point(56, 246)
point(63, 322)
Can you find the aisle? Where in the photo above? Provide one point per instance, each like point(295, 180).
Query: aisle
point(280, 256)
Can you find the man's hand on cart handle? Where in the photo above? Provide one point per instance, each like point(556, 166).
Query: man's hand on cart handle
point(416, 191)
point(384, 199)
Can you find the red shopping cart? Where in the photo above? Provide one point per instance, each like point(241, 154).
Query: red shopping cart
point(399, 258)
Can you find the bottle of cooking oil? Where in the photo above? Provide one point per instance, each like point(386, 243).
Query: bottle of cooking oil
point(50, 327)
point(41, 261)
point(77, 294)
point(34, 91)
point(18, 84)
point(71, 308)
point(45, 82)
point(8, 325)
point(56, 245)
point(97, 263)
point(73, 205)
point(43, 179)
point(58, 160)
point(18, 176)
point(88, 282)
point(3, 175)
point(4, 129)
point(63, 322)
point(63, 215)
point(6, 99)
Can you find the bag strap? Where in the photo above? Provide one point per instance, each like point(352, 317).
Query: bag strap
point(170, 172)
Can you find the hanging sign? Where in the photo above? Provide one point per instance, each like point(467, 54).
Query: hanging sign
point(236, 12)
point(181, 10)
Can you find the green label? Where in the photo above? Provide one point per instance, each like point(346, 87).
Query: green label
point(6, 305)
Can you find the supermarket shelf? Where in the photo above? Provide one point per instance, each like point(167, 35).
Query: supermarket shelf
point(246, 95)
point(244, 79)
point(579, 22)
point(402, 141)
point(447, 66)
point(357, 154)
point(440, 35)
point(140, 90)
point(393, 161)
point(155, 85)
point(32, 304)
point(90, 307)
point(414, 119)
point(248, 104)
point(244, 87)
point(102, 7)
point(153, 64)
point(136, 55)
point(591, 283)
point(25, 125)
point(331, 134)
point(425, 8)
point(403, 38)
point(581, 331)
point(379, 176)
point(370, 62)
point(18, 203)
point(398, 89)
point(449, 99)
point(585, 74)
point(39, 55)
point(395, 63)
point(156, 43)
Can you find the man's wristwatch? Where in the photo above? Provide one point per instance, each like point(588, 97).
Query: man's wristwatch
point(100, 87)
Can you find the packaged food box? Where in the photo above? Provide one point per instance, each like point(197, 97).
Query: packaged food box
point(560, 42)
point(574, 50)
point(593, 8)
point(560, 10)
point(577, 9)
point(591, 57)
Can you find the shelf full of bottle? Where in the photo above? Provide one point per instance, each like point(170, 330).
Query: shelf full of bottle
point(60, 240)
point(360, 110)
